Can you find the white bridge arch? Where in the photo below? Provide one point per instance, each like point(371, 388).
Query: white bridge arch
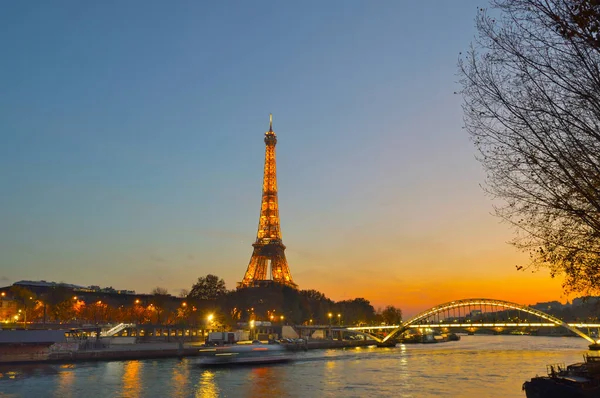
point(439, 309)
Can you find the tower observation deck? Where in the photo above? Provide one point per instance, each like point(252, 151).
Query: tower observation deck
point(269, 250)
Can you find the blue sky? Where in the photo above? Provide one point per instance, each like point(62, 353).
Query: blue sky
point(132, 146)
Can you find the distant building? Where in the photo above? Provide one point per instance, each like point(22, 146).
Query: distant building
point(548, 306)
point(40, 285)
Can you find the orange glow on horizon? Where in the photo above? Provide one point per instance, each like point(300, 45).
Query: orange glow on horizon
point(412, 298)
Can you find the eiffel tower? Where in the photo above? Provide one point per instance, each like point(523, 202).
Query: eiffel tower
point(268, 250)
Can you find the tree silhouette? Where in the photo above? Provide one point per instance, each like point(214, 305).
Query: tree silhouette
point(209, 287)
point(531, 88)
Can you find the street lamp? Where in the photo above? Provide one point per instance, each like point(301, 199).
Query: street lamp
point(339, 319)
point(329, 316)
point(252, 329)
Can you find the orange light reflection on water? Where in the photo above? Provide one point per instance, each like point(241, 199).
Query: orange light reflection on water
point(180, 380)
point(207, 388)
point(131, 379)
point(266, 383)
point(66, 377)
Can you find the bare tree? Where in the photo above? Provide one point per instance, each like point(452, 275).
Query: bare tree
point(160, 291)
point(531, 88)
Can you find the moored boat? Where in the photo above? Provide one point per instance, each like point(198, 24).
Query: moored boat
point(28, 345)
point(579, 380)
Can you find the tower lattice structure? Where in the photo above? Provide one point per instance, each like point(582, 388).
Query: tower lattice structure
point(269, 250)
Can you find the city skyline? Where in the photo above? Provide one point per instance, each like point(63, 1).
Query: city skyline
point(134, 148)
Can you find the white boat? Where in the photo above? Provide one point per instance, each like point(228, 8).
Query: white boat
point(244, 354)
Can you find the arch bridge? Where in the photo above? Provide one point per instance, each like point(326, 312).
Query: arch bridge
point(477, 312)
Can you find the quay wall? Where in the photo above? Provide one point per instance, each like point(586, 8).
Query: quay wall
point(67, 352)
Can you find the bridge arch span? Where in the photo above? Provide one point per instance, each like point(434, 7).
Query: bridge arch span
point(487, 302)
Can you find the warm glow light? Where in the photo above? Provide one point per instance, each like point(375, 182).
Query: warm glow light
point(330, 315)
point(210, 317)
point(99, 302)
point(183, 304)
point(16, 317)
point(282, 317)
point(3, 294)
point(137, 301)
point(74, 297)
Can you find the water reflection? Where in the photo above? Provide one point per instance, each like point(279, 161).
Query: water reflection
point(66, 378)
point(207, 388)
point(25, 371)
point(180, 379)
point(131, 379)
point(330, 377)
point(266, 381)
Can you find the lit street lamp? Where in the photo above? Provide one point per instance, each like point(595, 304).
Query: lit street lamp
point(340, 319)
point(252, 329)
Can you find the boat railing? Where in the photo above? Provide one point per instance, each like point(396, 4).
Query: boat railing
point(555, 369)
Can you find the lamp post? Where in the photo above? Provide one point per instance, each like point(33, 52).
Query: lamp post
point(24, 312)
point(340, 319)
point(252, 329)
point(329, 315)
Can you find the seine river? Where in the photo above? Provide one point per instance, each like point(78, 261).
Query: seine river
point(475, 366)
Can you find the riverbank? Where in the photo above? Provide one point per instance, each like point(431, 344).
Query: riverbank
point(66, 353)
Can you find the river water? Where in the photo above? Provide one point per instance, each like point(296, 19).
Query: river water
point(475, 366)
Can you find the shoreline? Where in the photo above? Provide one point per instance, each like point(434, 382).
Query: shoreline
point(140, 351)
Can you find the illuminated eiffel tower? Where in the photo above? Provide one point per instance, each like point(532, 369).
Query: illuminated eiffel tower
point(268, 248)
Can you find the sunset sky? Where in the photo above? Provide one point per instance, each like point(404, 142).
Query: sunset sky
point(132, 148)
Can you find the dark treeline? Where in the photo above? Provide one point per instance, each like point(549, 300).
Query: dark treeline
point(207, 304)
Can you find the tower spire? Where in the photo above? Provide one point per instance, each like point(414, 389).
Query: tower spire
point(269, 250)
